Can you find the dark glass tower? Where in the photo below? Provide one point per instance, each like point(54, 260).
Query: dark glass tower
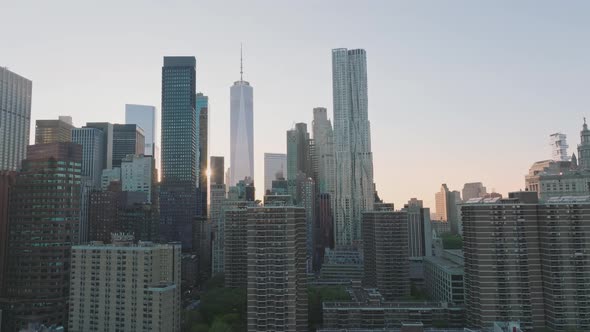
point(178, 199)
point(127, 139)
point(202, 105)
point(44, 217)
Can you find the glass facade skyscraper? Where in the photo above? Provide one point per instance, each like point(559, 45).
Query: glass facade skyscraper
point(179, 150)
point(15, 118)
point(242, 132)
point(202, 109)
point(127, 139)
point(145, 117)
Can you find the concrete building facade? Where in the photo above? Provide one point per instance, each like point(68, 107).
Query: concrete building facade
point(125, 287)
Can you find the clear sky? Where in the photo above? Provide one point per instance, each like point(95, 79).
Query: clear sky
point(459, 91)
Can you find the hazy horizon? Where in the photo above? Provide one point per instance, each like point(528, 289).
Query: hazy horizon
point(459, 91)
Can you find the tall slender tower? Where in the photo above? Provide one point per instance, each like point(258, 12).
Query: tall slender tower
point(352, 138)
point(178, 201)
point(242, 130)
point(202, 109)
point(15, 115)
point(584, 147)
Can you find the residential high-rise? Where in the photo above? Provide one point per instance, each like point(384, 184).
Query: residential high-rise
point(138, 174)
point(43, 226)
point(145, 117)
point(202, 109)
point(277, 279)
point(7, 181)
point(53, 131)
point(236, 246)
point(15, 115)
point(107, 149)
point(323, 136)
point(503, 274)
point(131, 287)
point(419, 229)
point(473, 190)
point(92, 142)
point(127, 139)
point(217, 168)
point(218, 196)
point(352, 144)
point(241, 131)
point(385, 248)
point(275, 166)
point(178, 201)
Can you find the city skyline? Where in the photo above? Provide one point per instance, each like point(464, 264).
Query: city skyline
point(435, 112)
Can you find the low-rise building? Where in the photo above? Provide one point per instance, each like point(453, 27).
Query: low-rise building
point(443, 277)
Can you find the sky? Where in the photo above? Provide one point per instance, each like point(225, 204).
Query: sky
point(459, 91)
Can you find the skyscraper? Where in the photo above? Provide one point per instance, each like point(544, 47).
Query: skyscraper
point(277, 280)
point(202, 109)
point(127, 139)
point(92, 142)
point(53, 131)
point(15, 118)
point(138, 174)
point(385, 247)
point(274, 164)
point(179, 150)
point(107, 149)
point(145, 117)
point(323, 136)
point(7, 181)
point(44, 220)
point(241, 131)
point(217, 170)
point(298, 158)
point(419, 229)
point(352, 139)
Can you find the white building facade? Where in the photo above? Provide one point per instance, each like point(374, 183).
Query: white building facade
point(137, 174)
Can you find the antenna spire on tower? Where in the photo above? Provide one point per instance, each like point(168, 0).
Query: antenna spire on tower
point(241, 64)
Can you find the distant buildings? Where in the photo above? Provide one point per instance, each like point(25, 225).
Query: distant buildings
point(107, 150)
point(15, 115)
point(419, 229)
point(138, 174)
point(145, 117)
point(44, 219)
point(275, 166)
point(178, 198)
point(385, 249)
point(527, 261)
point(323, 136)
point(473, 190)
point(241, 131)
point(298, 158)
point(558, 143)
point(127, 139)
point(446, 207)
point(53, 131)
point(277, 279)
point(352, 144)
point(217, 169)
point(92, 142)
point(125, 287)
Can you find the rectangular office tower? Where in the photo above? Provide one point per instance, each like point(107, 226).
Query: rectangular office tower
point(277, 280)
point(352, 144)
point(178, 199)
point(107, 147)
point(53, 131)
point(92, 142)
point(127, 139)
point(202, 109)
point(145, 117)
point(43, 226)
point(15, 118)
point(385, 246)
point(125, 287)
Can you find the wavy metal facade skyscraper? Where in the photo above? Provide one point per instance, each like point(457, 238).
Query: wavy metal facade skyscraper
point(352, 138)
point(242, 131)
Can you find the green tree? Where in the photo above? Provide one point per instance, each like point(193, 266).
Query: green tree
point(220, 326)
point(451, 241)
point(222, 301)
point(316, 296)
